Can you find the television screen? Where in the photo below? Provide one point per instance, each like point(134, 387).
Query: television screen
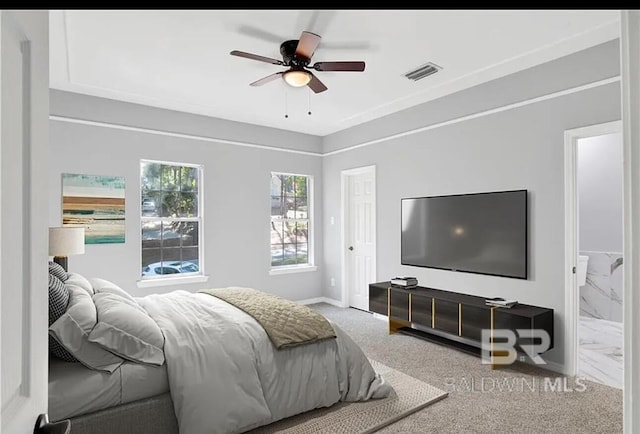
point(482, 233)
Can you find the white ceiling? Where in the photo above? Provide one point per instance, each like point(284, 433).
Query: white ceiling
point(180, 59)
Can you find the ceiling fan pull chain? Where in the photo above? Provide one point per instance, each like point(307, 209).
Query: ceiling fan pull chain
point(286, 105)
point(309, 94)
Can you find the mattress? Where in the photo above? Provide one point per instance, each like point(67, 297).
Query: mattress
point(75, 390)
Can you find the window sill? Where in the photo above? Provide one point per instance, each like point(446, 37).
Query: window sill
point(290, 270)
point(166, 281)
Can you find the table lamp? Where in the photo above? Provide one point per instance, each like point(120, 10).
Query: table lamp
point(64, 242)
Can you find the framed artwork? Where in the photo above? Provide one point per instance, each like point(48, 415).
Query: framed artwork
point(95, 202)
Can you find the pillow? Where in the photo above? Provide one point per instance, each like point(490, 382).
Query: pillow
point(58, 298)
point(58, 302)
point(57, 270)
point(80, 281)
point(102, 285)
point(125, 329)
point(60, 352)
point(72, 330)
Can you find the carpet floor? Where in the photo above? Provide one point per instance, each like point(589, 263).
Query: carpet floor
point(510, 399)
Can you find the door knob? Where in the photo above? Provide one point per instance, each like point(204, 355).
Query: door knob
point(351, 248)
point(43, 426)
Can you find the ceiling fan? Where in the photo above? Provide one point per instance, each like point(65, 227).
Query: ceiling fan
point(296, 54)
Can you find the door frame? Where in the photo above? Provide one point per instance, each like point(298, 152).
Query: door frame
point(344, 184)
point(630, 91)
point(22, 405)
point(571, 298)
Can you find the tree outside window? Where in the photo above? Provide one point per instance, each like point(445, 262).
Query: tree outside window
point(170, 218)
point(290, 219)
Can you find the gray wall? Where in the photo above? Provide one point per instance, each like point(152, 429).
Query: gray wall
point(137, 115)
point(513, 149)
point(600, 186)
point(520, 148)
point(236, 189)
point(587, 66)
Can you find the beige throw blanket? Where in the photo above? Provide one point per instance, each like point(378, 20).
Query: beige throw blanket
point(287, 323)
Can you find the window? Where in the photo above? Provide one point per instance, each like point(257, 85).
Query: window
point(171, 219)
point(290, 220)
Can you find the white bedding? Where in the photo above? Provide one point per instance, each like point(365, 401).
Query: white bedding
point(75, 389)
point(225, 376)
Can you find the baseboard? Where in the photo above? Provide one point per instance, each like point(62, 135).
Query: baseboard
point(333, 302)
point(311, 300)
point(550, 365)
point(555, 367)
point(380, 317)
point(315, 300)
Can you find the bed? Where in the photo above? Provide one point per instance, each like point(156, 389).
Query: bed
point(206, 362)
point(76, 390)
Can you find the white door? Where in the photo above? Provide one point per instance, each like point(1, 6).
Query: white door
point(360, 234)
point(24, 118)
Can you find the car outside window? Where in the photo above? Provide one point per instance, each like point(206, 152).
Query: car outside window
point(290, 220)
point(171, 219)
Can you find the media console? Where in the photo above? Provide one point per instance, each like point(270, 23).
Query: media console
point(453, 318)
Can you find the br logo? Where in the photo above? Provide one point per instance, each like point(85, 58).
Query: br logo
point(500, 346)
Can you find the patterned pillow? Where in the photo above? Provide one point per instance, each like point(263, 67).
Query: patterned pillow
point(59, 351)
point(58, 271)
point(58, 302)
point(58, 298)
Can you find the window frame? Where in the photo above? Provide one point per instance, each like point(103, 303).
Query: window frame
point(170, 279)
point(310, 264)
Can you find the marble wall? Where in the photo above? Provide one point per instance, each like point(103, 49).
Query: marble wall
point(601, 296)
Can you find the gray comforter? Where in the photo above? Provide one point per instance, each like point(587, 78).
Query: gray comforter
point(225, 375)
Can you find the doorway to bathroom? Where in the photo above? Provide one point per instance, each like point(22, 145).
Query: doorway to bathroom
point(594, 224)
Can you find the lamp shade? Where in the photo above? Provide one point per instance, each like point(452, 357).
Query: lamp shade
point(66, 241)
point(297, 78)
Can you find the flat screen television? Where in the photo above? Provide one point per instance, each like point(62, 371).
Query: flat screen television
point(484, 233)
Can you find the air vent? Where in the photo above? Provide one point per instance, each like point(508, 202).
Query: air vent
point(423, 71)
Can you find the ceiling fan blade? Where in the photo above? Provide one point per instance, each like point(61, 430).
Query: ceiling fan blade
point(267, 79)
point(256, 57)
point(316, 85)
point(260, 34)
point(307, 45)
point(339, 66)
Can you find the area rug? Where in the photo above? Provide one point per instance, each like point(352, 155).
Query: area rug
point(409, 395)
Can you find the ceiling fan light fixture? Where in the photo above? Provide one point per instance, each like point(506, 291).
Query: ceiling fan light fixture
point(296, 55)
point(297, 78)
